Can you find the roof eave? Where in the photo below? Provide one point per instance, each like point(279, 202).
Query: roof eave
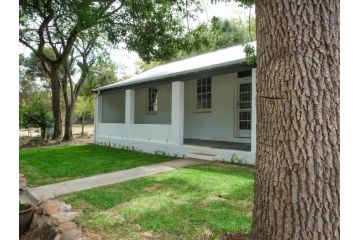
point(143, 81)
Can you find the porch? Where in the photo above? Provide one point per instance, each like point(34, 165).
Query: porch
point(165, 118)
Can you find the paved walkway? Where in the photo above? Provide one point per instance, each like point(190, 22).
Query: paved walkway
point(110, 178)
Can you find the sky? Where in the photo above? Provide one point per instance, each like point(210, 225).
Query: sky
point(224, 10)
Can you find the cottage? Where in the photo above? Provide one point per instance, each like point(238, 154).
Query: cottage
point(201, 107)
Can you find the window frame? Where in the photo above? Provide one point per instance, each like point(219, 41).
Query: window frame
point(205, 94)
point(152, 99)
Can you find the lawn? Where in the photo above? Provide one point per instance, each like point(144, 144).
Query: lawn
point(61, 163)
point(187, 203)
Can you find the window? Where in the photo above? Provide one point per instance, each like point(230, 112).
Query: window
point(152, 100)
point(245, 101)
point(203, 95)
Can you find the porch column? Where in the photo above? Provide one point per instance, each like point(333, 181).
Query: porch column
point(129, 110)
point(98, 114)
point(254, 112)
point(177, 112)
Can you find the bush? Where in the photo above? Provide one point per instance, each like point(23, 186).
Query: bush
point(36, 114)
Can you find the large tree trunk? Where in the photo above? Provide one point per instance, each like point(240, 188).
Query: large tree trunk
point(297, 166)
point(55, 98)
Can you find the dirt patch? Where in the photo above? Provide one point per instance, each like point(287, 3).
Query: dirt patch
point(232, 236)
point(152, 188)
point(30, 142)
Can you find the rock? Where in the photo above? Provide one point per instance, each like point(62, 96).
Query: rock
point(62, 217)
point(50, 207)
point(37, 220)
point(46, 196)
point(22, 182)
point(65, 207)
point(53, 206)
point(72, 234)
point(45, 232)
point(63, 227)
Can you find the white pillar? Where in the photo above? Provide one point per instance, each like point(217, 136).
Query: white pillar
point(177, 112)
point(98, 114)
point(254, 112)
point(129, 110)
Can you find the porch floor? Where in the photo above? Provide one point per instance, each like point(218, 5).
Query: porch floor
point(218, 144)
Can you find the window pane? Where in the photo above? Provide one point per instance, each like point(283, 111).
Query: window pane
point(245, 87)
point(245, 125)
point(244, 105)
point(152, 99)
point(245, 115)
point(204, 105)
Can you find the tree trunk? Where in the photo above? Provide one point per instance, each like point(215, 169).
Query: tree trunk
point(68, 122)
point(43, 132)
point(297, 160)
point(55, 98)
point(83, 124)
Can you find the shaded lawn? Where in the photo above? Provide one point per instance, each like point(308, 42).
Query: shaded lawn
point(187, 203)
point(61, 163)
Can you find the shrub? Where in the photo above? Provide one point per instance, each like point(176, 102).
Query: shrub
point(36, 114)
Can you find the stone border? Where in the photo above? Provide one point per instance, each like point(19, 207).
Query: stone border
point(52, 220)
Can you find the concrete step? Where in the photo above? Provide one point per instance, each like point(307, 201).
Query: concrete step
point(203, 156)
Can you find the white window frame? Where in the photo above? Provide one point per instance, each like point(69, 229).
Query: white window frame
point(152, 100)
point(200, 84)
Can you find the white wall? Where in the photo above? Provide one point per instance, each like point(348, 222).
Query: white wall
point(113, 107)
point(178, 150)
point(218, 124)
point(163, 115)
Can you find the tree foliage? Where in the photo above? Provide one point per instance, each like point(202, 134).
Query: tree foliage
point(217, 34)
point(103, 72)
point(151, 28)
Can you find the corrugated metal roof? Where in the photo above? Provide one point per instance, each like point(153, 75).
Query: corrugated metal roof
point(219, 58)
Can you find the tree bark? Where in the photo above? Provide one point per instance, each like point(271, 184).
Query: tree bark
point(297, 155)
point(68, 122)
point(55, 99)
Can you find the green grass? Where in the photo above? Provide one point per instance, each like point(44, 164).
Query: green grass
point(187, 203)
point(56, 164)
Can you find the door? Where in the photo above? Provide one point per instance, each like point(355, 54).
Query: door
point(243, 105)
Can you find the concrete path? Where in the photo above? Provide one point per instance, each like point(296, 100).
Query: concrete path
point(109, 178)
